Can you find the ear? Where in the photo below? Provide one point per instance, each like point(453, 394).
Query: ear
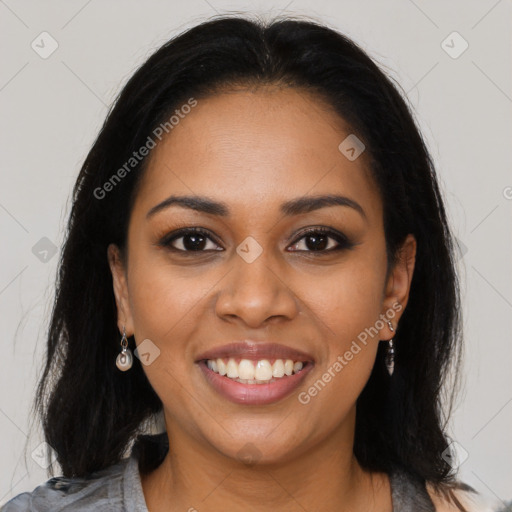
point(120, 284)
point(398, 285)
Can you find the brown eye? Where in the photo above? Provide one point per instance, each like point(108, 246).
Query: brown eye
point(321, 240)
point(190, 240)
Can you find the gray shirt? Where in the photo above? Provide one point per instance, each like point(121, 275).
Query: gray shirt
point(118, 488)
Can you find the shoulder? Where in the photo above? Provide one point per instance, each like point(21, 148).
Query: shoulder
point(463, 498)
point(411, 493)
point(102, 490)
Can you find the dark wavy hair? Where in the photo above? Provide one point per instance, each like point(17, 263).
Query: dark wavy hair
point(90, 411)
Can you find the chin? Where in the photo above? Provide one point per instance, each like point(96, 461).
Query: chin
point(255, 449)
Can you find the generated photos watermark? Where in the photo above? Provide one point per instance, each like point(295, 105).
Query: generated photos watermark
point(343, 360)
point(137, 156)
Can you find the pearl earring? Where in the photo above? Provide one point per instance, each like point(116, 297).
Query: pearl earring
point(124, 359)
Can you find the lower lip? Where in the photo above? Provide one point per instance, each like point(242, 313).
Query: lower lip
point(254, 394)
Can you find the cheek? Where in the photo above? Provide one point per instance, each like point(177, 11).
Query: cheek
point(165, 304)
point(346, 305)
point(170, 306)
point(163, 298)
point(347, 308)
point(348, 298)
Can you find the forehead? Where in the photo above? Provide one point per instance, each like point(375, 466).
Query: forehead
point(261, 147)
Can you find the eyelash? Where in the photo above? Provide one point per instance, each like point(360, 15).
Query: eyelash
point(342, 240)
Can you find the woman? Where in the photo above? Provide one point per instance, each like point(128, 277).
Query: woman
point(258, 250)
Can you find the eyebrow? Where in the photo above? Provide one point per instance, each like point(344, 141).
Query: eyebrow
point(297, 206)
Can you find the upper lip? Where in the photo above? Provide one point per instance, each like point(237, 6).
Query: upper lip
point(256, 350)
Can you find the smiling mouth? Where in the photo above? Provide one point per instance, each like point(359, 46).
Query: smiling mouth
point(249, 371)
point(254, 373)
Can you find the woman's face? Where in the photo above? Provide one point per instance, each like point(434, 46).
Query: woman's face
point(255, 275)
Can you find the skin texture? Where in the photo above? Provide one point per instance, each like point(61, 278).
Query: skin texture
point(253, 150)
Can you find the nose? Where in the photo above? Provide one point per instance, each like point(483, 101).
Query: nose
point(256, 293)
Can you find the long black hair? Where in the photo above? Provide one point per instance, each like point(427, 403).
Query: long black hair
point(91, 411)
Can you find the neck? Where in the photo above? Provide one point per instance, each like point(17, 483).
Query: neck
point(326, 477)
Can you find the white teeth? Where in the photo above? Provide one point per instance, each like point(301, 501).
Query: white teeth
point(255, 372)
point(221, 367)
point(232, 369)
point(263, 370)
point(246, 369)
point(278, 368)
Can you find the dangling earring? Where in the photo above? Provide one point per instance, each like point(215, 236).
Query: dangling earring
point(124, 360)
point(390, 352)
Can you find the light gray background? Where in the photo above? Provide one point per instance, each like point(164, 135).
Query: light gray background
point(53, 108)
